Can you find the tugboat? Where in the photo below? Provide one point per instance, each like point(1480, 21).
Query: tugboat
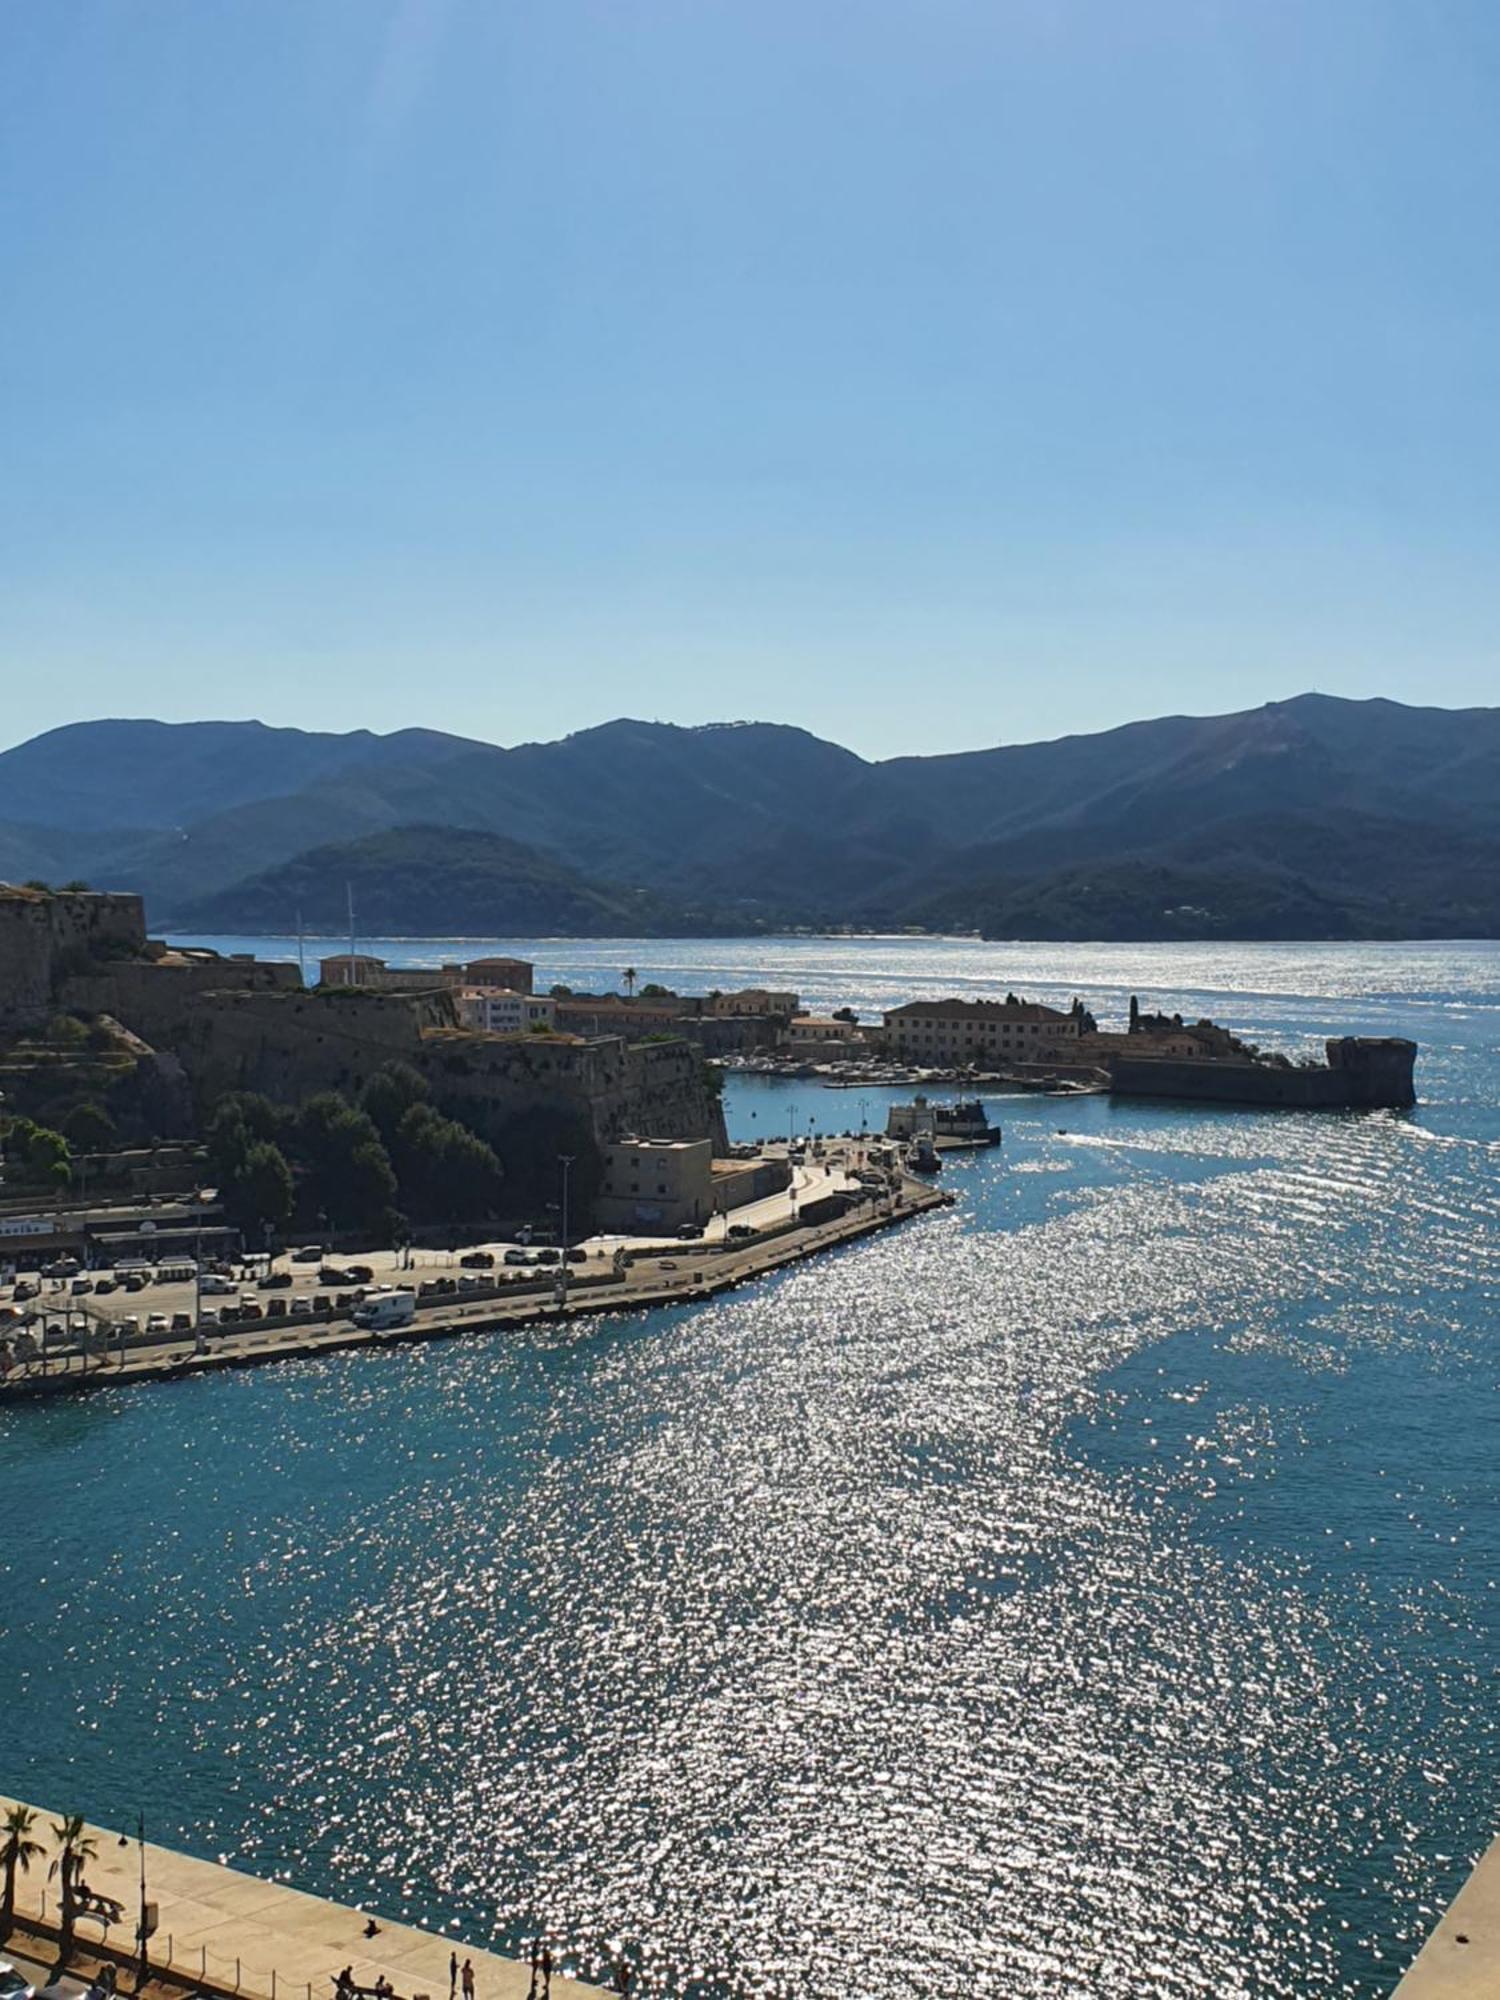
point(922, 1156)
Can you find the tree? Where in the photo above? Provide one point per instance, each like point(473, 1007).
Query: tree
point(628, 980)
point(263, 1190)
point(389, 1095)
point(17, 1850)
point(75, 1849)
point(561, 992)
point(89, 1127)
point(652, 990)
point(447, 1173)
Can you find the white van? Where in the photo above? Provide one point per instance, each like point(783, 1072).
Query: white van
point(386, 1310)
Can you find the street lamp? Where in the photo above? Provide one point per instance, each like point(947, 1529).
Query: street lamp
point(565, 1161)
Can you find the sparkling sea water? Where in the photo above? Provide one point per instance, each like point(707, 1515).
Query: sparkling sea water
point(1091, 1590)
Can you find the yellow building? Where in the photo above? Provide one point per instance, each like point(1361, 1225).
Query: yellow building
point(954, 1033)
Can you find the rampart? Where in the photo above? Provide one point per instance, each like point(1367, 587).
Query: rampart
point(1361, 1074)
point(45, 935)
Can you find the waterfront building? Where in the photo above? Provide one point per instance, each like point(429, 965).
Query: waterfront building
point(753, 1000)
point(654, 1184)
point(938, 1033)
point(509, 975)
point(498, 1012)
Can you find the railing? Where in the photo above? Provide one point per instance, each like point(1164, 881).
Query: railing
point(199, 1968)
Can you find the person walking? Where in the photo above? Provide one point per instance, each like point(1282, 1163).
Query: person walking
point(452, 1974)
point(468, 1979)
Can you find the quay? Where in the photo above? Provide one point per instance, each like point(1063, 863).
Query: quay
point(669, 1278)
point(222, 1933)
point(1461, 1959)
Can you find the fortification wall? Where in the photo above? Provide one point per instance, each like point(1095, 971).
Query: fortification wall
point(44, 936)
point(653, 1090)
point(152, 999)
point(1361, 1075)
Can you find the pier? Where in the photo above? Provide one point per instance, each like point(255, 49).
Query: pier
point(683, 1276)
point(226, 1934)
point(1461, 1959)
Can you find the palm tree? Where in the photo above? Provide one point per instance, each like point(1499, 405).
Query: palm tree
point(75, 1847)
point(16, 1851)
point(629, 978)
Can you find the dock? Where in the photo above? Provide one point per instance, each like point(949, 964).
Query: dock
point(224, 1933)
point(695, 1275)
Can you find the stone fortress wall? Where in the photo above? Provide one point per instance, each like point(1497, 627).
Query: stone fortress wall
point(44, 937)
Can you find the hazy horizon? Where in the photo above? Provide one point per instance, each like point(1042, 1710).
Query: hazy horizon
point(731, 722)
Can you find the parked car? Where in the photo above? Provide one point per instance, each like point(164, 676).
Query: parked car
point(61, 1267)
point(334, 1274)
point(208, 1319)
point(274, 1281)
point(13, 1986)
point(276, 1308)
point(516, 1257)
point(310, 1253)
point(26, 1288)
point(689, 1232)
point(301, 1308)
point(469, 1283)
point(158, 1323)
point(104, 1286)
point(548, 1257)
point(320, 1302)
point(360, 1274)
point(250, 1309)
point(478, 1260)
point(740, 1230)
point(127, 1326)
point(135, 1282)
point(78, 1286)
point(182, 1322)
point(578, 1256)
point(215, 1285)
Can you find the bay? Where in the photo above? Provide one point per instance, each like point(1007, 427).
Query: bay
point(1090, 1590)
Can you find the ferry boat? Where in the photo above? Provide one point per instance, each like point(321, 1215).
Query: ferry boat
point(964, 1123)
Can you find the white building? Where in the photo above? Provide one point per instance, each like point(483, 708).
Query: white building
point(499, 1012)
point(655, 1185)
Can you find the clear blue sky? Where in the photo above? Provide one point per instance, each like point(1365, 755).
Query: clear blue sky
point(929, 374)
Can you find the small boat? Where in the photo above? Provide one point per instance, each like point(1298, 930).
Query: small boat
point(922, 1156)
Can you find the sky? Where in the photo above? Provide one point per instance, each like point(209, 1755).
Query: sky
point(928, 375)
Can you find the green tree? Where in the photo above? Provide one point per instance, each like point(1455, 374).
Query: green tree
point(653, 990)
point(17, 1851)
point(628, 980)
point(76, 1849)
point(447, 1173)
point(389, 1095)
point(89, 1127)
point(263, 1190)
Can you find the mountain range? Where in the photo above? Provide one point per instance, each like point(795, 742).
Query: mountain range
point(1314, 817)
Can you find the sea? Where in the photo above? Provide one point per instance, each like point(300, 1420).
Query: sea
point(1089, 1590)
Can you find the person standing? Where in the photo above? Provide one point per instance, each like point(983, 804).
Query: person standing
point(452, 1974)
point(468, 1979)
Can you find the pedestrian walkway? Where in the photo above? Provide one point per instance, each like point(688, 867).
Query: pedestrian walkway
point(218, 1927)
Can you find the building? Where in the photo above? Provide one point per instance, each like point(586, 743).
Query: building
point(954, 1033)
point(498, 1012)
point(608, 1014)
point(654, 1185)
point(510, 975)
point(358, 968)
point(753, 1000)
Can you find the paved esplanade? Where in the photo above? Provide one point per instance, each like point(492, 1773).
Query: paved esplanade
point(1461, 1959)
point(214, 1919)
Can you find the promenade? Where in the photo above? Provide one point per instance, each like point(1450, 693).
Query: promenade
point(689, 1274)
point(227, 1933)
point(1461, 1958)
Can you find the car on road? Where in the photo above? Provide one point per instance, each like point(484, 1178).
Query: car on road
point(740, 1230)
point(547, 1257)
point(215, 1285)
point(689, 1232)
point(360, 1274)
point(334, 1274)
point(61, 1267)
point(578, 1256)
point(274, 1281)
point(310, 1253)
point(158, 1323)
point(516, 1257)
point(13, 1984)
point(478, 1260)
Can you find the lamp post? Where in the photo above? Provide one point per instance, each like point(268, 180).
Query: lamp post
point(143, 1931)
point(565, 1161)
